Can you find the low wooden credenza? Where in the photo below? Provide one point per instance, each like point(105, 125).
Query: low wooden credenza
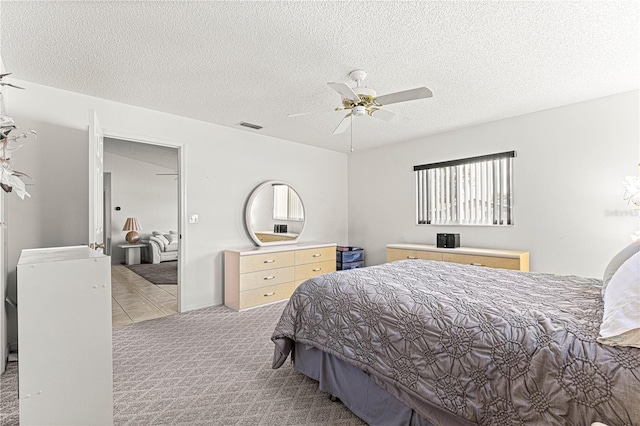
point(493, 258)
point(259, 275)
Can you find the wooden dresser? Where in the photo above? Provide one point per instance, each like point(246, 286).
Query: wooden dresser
point(259, 275)
point(505, 259)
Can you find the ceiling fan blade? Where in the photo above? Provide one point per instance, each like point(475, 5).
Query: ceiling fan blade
point(344, 124)
point(302, 114)
point(2, 83)
point(385, 115)
point(345, 90)
point(406, 95)
point(299, 114)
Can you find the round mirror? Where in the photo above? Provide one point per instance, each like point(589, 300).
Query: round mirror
point(275, 214)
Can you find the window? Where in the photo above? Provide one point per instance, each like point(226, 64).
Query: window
point(286, 204)
point(469, 191)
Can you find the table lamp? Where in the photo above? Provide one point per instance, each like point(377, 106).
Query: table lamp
point(132, 225)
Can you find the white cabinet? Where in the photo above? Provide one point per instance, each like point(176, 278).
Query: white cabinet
point(64, 337)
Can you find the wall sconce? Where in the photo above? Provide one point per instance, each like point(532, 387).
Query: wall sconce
point(132, 225)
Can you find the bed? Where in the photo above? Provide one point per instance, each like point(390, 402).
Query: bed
point(433, 343)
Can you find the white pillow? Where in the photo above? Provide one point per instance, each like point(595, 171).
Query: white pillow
point(173, 238)
point(158, 241)
point(617, 261)
point(621, 320)
point(162, 237)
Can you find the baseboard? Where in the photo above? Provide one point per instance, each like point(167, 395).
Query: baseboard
point(10, 354)
point(204, 305)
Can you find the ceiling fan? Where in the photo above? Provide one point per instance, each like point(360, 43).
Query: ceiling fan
point(361, 100)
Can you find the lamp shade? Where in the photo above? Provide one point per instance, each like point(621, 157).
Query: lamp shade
point(132, 225)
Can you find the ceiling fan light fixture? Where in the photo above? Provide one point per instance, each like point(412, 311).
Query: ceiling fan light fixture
point(359, 111)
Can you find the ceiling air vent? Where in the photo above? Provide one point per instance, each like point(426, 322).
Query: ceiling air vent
point(250, 125)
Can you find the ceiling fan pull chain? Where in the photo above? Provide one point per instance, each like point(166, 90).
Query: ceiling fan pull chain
point(351, 149)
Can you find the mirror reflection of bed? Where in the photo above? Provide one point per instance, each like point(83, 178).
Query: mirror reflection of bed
point(269, 236)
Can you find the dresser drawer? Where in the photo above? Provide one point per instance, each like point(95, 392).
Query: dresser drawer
point(269, 277)
point(400, 254)
point(260, 296)
point(260, 262)
point(309, 270)
point(492, 262)
point(255, 276)
point(315, 255)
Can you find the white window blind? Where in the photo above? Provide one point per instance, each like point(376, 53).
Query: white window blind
point(286, 204)
point(469, 191)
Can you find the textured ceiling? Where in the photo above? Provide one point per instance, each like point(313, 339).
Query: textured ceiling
point(258, 61)
point(162, 156)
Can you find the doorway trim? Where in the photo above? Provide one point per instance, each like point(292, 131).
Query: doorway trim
point(106, 187)
point(182, 201)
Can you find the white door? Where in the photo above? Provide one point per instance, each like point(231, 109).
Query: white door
point(96, 200)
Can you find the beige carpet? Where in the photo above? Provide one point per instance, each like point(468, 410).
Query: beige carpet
point(207, 367)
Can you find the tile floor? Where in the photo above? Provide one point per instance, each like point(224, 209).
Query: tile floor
point(135, 299)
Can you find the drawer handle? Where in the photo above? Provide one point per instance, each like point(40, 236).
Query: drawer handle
point(317, 255)
point(411, 257)
point(271, 293)
point(269, 278)
point(476, 264)
point(317, 269)
point(269, 261)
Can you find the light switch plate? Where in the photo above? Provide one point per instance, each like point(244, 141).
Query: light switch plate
point(193, 218)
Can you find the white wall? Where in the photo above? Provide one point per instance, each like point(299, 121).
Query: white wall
point(223, 166)
point(569, 211)
point(140, 192)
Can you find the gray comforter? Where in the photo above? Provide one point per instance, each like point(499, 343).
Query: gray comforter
point(490, 346)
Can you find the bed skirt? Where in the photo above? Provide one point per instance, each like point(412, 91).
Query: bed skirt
point(365, 398)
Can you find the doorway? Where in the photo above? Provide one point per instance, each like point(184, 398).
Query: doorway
point(142, 182)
